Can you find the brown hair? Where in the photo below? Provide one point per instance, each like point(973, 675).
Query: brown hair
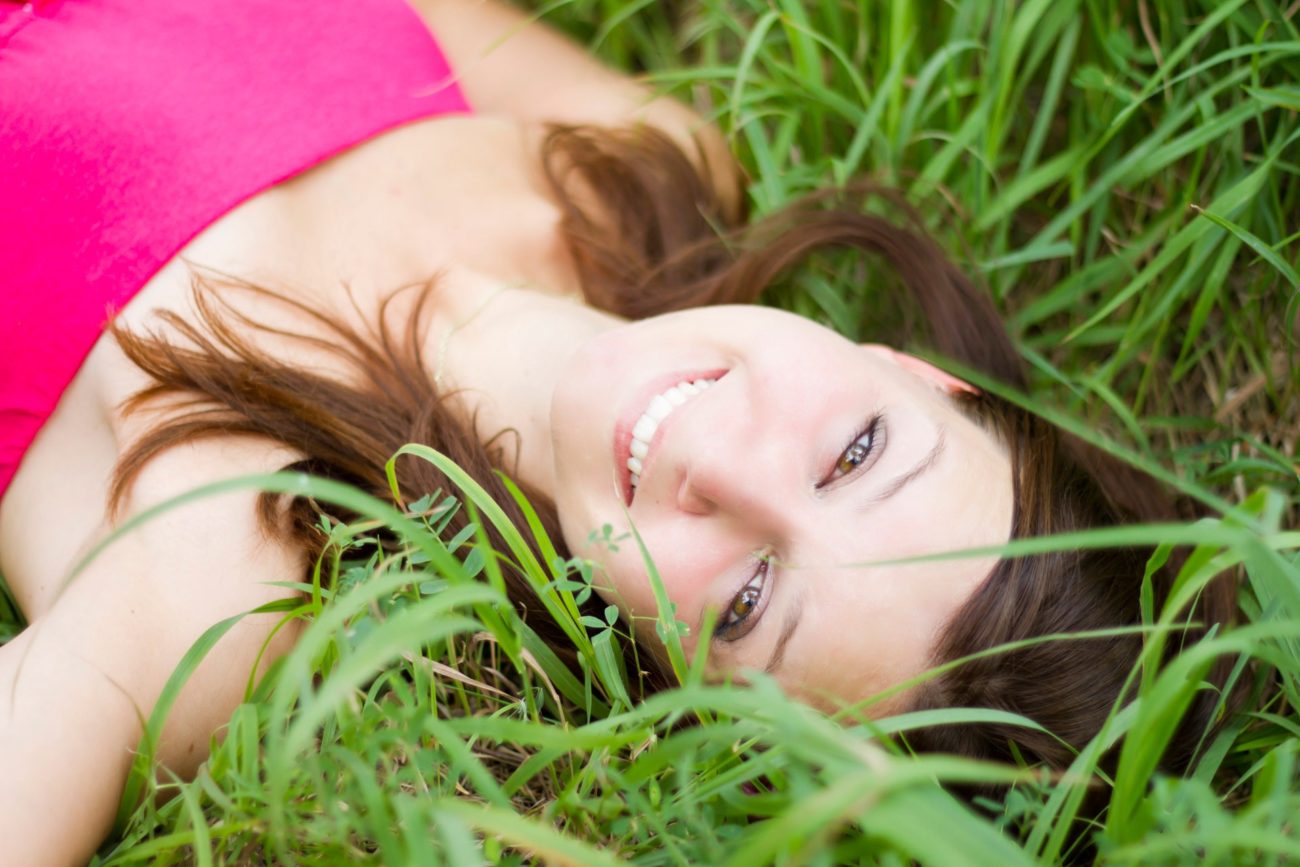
point(1069, 686)
point(647, 235)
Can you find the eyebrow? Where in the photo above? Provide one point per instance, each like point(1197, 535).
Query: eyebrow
point(924, 464)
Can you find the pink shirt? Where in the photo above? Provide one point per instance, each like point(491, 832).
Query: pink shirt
point(128, 126)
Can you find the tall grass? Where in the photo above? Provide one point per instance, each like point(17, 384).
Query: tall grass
point(1122, 177)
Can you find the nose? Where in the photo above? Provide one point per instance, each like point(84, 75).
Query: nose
point(738, 474)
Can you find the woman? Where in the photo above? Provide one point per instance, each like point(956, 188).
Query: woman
point(263, 185)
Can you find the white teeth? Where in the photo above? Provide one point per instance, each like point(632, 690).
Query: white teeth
point(661, 405)
point(644, 429)
point(659, 408)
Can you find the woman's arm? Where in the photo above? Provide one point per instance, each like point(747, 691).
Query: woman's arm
point(65, 734)
point(75, 686)
point(510, 64)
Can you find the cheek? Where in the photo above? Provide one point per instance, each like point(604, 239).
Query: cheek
point(688, 567)
point(589, 512)
point(865, 636)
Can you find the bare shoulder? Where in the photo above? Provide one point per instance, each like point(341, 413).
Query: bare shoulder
point(189, 526)
point(56, 511)
point(122, 613)
point(151, 578)
point(172, 563)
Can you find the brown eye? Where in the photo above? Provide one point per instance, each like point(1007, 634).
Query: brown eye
point(861, 450)
point(854, 455)
point(738, 617)
point(744, 603)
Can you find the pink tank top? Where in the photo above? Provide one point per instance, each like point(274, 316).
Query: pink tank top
point(128, 126)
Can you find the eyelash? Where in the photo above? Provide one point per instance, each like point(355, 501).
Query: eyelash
point(874, 433)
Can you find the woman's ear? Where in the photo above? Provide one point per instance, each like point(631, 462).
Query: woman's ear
point(939, 379)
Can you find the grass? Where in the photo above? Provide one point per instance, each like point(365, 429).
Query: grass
point(1123, 178)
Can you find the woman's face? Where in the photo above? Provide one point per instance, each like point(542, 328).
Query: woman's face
point(759, 495)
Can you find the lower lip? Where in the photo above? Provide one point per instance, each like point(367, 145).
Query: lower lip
point(632, 412)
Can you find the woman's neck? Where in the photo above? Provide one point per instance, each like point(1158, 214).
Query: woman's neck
point(497, 352)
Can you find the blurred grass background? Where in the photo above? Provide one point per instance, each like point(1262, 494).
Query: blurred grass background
point(1122, 176)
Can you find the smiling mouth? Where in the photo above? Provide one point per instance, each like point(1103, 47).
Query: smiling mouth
point(662, 405)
